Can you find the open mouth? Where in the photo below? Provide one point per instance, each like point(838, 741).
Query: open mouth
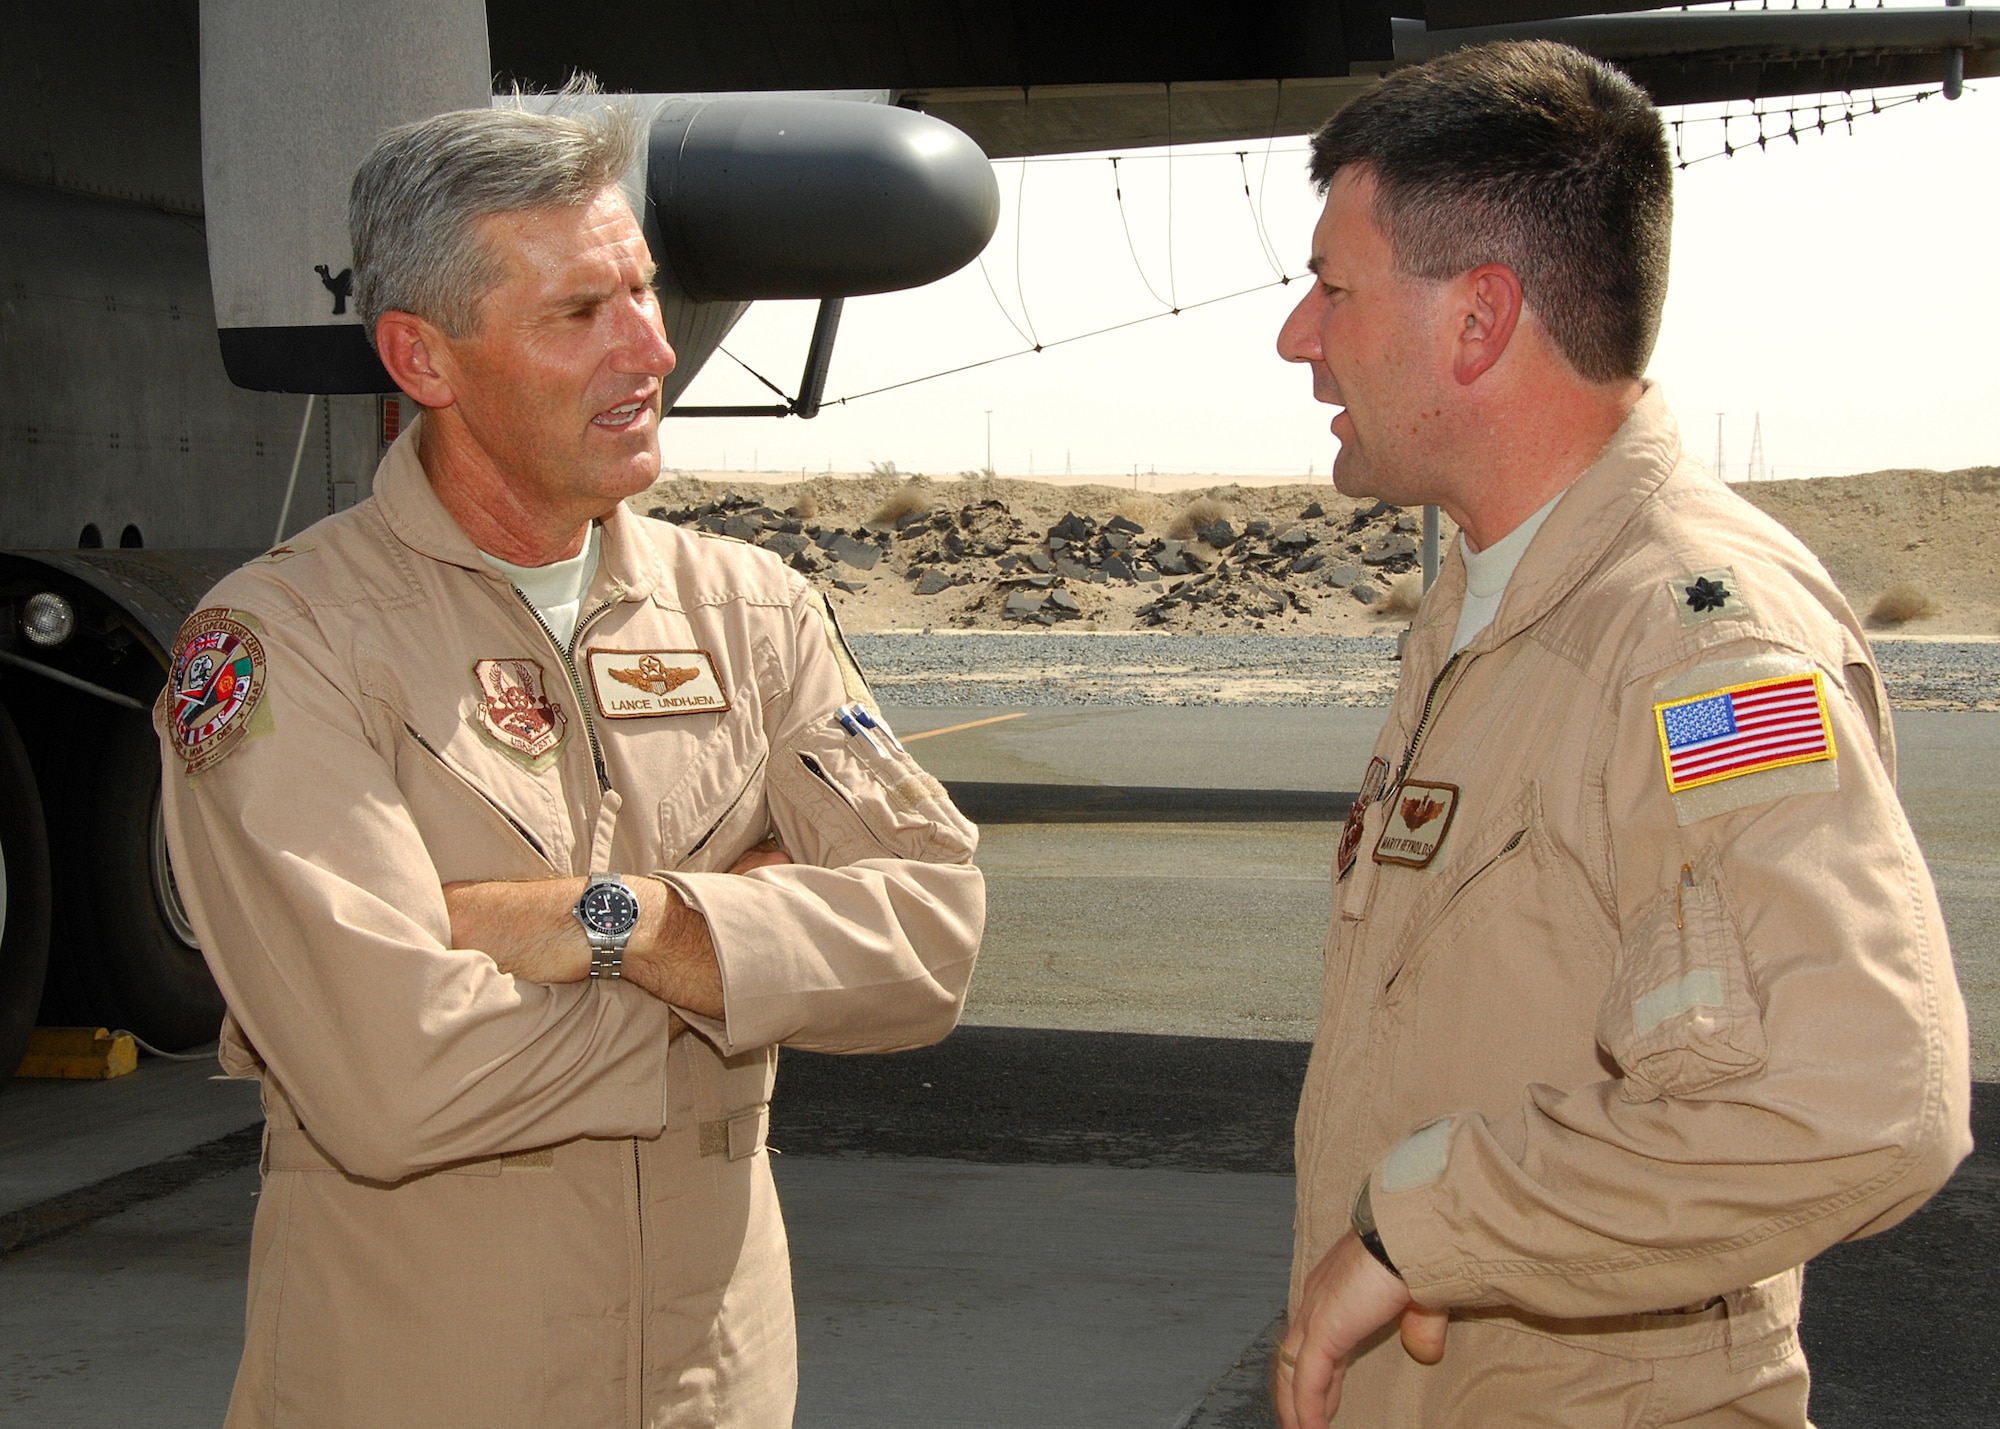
point(622, 417)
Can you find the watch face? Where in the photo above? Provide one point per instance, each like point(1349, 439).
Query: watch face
point(609, 908)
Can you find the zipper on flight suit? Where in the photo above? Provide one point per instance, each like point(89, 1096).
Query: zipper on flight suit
point(637, 1343)
point(567, 656)
point(814, 768)
point(1431, 704)
point(702, 842)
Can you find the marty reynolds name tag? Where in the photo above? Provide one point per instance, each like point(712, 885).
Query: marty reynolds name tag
point(642, 684)
point(1419, 815)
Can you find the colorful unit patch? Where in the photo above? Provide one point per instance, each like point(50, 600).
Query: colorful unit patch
point(516, 709)
point(1766, 724)
point(217, 680)
point(636, 684)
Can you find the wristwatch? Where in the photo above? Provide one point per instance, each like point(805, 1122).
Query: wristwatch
point(1363, 1221)
point(609, 911)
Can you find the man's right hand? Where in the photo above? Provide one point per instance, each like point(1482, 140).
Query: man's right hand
point(529, 930)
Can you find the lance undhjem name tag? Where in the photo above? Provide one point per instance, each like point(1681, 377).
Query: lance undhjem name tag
point(643, 684)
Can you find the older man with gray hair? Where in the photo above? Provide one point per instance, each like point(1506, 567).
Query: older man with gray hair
point(487, 792)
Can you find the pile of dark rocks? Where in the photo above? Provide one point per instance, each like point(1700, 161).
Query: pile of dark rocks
point(1035, 577)
point(1269, 567)
point(808, 547)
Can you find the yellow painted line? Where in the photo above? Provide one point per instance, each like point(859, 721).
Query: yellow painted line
point(955, 728)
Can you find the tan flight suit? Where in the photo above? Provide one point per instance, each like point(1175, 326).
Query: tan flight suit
point(488, 1201)
point(1618, 1061)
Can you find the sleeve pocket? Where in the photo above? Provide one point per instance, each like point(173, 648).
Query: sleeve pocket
point(1680, 1015)
point(833, 809)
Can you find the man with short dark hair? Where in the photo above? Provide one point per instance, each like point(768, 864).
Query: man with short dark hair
point(484, 795)
point(1637, 992)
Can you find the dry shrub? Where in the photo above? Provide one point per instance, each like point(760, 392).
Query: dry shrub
point(903, 501)
point(1406, 592)
point(1902, 602)
point(1137, 506)
point(1196, 514)
point(804, 506)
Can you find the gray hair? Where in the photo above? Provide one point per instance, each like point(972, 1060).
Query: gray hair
point(418, 197)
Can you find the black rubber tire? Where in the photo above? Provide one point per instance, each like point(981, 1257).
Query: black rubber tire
point(134, 969)
point(24, 918)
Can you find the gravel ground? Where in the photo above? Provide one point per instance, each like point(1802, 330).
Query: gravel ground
point(1941, 674)
point(1065, 668)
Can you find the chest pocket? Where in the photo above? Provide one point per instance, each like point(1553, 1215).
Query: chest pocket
point(717, 808)
point(470, 832)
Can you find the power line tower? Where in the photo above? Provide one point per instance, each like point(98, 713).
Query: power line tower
point(1757, 469)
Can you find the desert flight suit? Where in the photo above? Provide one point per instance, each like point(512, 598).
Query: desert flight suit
point(1637, 992)
point(488, 1201)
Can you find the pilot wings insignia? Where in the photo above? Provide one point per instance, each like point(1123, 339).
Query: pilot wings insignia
point(653, 675)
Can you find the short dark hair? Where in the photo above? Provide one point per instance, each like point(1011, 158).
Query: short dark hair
point(1533, 155)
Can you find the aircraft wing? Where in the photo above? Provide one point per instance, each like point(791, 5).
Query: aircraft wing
point(1040, 77)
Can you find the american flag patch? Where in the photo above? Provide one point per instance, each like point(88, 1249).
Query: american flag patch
point(1765, 724)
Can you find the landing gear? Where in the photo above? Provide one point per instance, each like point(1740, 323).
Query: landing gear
point(139, 966)
point(24, 898)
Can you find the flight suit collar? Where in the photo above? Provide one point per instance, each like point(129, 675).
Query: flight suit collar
point(629, 565)
point(1585, 523)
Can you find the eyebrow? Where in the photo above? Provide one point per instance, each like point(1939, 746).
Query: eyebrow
point(581, 297)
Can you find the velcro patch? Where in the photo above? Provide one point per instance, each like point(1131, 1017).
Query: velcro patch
point(1420, 814)
point(1708, 595)
point(1741, 729)
point(515, 707)
point(640, 684)
point(216, 681)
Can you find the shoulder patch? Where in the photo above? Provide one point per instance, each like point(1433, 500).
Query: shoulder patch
point(1737, 732)
point(1708, 595)
point(215, 683)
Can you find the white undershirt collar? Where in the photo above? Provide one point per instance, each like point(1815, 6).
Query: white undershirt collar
point(1487, 573)
point(556, 590)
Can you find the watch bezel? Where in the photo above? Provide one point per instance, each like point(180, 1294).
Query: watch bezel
point(591, 907)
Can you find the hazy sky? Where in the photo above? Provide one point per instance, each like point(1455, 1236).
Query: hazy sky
point(1839, 287)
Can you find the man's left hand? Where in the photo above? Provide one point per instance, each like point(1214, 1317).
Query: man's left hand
point(1348, 1297)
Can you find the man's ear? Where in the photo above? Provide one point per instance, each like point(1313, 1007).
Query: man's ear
point(411, 349)
point(1489, 311)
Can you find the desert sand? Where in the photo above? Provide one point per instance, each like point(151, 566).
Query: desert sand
point(1918, 549)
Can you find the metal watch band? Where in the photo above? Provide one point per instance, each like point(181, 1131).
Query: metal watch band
point(607, 950)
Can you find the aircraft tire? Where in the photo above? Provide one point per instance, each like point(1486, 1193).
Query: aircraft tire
point(24, 898)
point(140, 967)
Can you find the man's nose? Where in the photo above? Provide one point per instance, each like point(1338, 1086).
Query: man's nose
point(643, 346)
point(1298, 338)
